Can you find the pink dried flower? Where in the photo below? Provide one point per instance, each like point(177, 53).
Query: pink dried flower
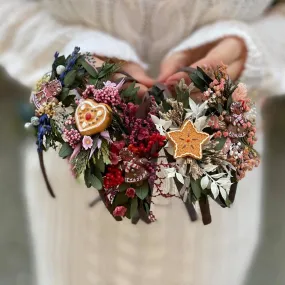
point(87, 142)
point(119, 211)
point(218, 134)
point(225, 134)
point(108, 95)
point(240, 93)
point(72, 136)
point(131, 192)
point(89, 91)
point(214, 122)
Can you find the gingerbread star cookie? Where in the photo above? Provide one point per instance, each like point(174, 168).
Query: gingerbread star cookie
point(188, 141)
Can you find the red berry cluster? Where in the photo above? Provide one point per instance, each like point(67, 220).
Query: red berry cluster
point(144, 149)
point(113, 177)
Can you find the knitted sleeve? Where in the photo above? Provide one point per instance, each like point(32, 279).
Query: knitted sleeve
point(29, 36)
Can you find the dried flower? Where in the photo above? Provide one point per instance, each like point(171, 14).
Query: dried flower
point(131, 192)
point(119, 211)
point(87, 142)
point(71, 136)
point(240, 93)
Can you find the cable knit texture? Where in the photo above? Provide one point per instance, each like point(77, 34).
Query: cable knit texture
point(76, 245)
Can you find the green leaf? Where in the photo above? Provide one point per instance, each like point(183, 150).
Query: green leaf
point(131, 91)
point(95, 182)
point(69, 78)
point(123, 187)
point(66, 150)
point(59, 61)
point(221, 143)
point(98, 174)
point(204, 75)
point(107, 69)
point(198, 82)
point(142, 191)
point(92, 81)
point(100, 164)
point(80, 162)
point(230, 101)
point(146, 206)
point(134, 207)
point(104, 152)
point(182, 96)
point(63, 94)
point(196, 188)
point(91, 71)
point(120, 199)
point(70, 99)
point(220, 108)
point(87, 177)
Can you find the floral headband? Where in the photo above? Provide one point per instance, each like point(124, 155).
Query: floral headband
point(128, 147)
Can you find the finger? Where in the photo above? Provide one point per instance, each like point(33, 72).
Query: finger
point(138, 73)
point(175, 78)
point(235, 69)
point(172, 63)
point(227, 51)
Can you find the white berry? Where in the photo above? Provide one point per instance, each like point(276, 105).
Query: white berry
point(60, 69)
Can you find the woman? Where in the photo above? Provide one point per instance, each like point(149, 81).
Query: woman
point(76, 245)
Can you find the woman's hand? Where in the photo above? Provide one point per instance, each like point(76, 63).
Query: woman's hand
point(135, 71)
point(230, 51)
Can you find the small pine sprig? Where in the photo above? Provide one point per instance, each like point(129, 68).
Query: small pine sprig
point(80, 162)
point(104, 152)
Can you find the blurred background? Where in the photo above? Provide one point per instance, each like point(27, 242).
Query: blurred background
point(15, 248)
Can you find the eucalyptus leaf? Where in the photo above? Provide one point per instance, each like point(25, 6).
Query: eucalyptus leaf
point(66, 150)
point(219, 175)
point(95, 182)
point(179, 177)
point(223, 193)
point(215, 189)
point(142, 191)
point(204, 182)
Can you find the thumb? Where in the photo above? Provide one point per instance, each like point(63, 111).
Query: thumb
point(171, 64)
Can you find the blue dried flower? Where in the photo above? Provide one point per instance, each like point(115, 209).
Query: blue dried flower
point(44, 128)
point(69, 64)
point(56, 55)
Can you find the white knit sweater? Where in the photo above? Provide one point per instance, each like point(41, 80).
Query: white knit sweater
point(76, 245)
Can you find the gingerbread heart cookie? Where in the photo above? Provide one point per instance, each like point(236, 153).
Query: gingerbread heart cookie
point(92, 117)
